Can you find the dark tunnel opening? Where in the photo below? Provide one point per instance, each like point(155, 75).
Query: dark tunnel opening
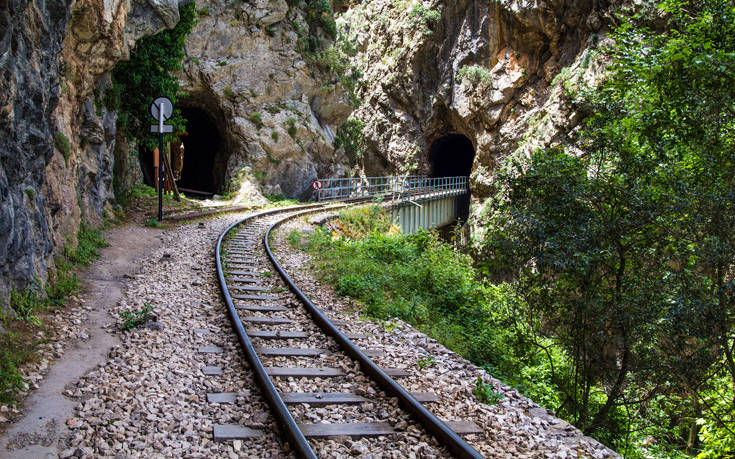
point(450, 156)
point(202, 144)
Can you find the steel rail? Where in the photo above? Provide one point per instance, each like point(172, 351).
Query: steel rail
point(295, 437)
point(434, 425)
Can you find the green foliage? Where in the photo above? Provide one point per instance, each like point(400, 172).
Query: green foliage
point(280, 200)
point(623, 249)
point(89, 241)
point(350, 137)
point(291, 127)
point(422, 280)
point(474, 74)
point(132, 319)
point(229, 92)
point(274, 136)
point(18, 340)
point(259, 175)
point(31, 193)
point(15, 352)
point(149, 74)
point(256, 119)
point(358, 222)
point(426, 362)
point(151, 222)
point(63, 145)
point(420, 15)
point(26, 303)
point(485, 393)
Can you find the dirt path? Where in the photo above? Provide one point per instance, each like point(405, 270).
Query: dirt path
point(46, 410)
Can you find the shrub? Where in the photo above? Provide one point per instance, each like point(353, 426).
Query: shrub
point(256, 119)
point(350, 137)
point(423, 16)
point(474, 74)
point(63, 145)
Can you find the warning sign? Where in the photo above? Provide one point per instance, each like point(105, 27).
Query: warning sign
point(316, 184)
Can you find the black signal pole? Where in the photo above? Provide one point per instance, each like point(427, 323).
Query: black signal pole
point(161, 110)
point(160, 169)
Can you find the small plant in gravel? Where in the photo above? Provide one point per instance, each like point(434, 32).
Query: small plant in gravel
point(267, 274)
point(294, 238)
point(426, 362)
point(132, 319)
point(485, 393)
point(151, 223)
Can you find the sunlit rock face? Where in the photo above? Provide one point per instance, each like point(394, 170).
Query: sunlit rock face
point(244, 69)
point(56, 143)
point(500, 73)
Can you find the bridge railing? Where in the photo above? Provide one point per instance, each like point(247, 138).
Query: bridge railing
point(392, 187)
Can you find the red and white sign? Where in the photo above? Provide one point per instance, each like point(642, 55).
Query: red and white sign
point(316, 184)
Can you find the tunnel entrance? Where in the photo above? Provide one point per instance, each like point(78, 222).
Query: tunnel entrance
point(450, 156)
point(202, 145)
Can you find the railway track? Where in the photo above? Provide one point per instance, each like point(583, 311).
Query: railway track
point(320, 383)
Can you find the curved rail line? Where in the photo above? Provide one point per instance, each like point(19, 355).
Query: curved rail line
point(296, 438)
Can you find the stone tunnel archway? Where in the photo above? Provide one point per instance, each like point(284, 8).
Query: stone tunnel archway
point(452, 155)
point(203, 147)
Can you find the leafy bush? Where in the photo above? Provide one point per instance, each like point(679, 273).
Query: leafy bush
point(474, 74)
point(350, 137)
point(256, 119)
point(422, 16)
point(63, 145)
point(424, 281)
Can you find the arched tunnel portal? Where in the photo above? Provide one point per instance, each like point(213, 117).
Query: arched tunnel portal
point(452, 155)
point(203, 147)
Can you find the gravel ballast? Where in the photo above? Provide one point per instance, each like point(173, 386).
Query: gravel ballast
point(149, 399)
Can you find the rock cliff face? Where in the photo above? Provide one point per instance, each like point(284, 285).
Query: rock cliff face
point(277, 117)
point(55, 142)
point(501, 73)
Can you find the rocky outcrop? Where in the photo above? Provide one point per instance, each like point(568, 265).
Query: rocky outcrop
point(278, 117)
point(501, 73)
point(56, 138)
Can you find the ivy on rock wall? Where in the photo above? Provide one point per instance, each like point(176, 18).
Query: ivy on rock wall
point(149, 74)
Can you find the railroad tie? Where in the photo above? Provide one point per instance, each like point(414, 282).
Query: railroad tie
point(248, 288)
point(221, 397)
point(322, 398)
point(255, 308)
point(464, 427)
point(334, 398)
point(268, 334)
point(303, 372)
point(211, 371)
point(224, 432)
point(256, 297)
point(243, 273)
point(354, 429)
point(252, 280)
point(267, 320)
point(291, 351)
point(210, 350)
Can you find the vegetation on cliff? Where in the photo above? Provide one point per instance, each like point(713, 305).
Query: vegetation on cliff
point(149, 74)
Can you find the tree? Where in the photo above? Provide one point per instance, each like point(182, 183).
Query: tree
point(624, 244)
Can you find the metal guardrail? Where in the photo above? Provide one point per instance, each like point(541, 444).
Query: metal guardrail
point(391, 187)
